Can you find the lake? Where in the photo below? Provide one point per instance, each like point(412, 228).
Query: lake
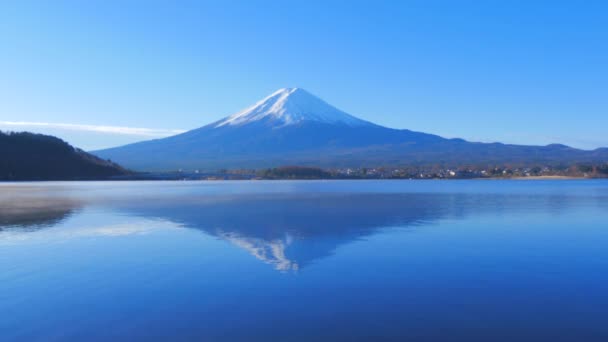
point(305, 260)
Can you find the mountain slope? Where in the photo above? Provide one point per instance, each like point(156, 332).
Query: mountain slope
point(292, 126)
point(27, 156)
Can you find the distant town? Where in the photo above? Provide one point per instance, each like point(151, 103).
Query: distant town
point(432, 172)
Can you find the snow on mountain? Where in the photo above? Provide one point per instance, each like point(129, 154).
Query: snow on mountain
point(290, 106)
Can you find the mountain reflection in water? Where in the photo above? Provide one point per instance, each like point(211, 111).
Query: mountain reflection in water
point(286, 230)
point(304, 261)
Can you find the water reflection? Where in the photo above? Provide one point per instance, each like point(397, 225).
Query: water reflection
point(288, 230)
point(35, 213)
point(376, 260)
point(291, 231)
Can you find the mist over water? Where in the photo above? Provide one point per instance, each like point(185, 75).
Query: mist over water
point(302, 260)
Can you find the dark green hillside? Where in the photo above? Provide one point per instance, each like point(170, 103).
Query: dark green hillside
point(28, 156)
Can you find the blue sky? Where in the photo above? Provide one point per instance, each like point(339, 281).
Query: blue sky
point(528, 72)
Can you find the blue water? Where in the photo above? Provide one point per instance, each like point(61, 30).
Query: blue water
point(300, 260)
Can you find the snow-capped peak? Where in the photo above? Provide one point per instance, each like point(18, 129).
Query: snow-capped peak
point(289, 106)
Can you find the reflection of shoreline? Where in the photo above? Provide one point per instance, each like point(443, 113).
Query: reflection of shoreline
point(35, 213)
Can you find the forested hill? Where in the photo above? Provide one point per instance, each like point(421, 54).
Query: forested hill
point(28, 156)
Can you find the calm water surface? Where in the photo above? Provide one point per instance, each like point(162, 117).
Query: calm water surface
point(319, 260)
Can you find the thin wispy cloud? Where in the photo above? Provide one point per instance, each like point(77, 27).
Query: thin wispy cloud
point(121, 130)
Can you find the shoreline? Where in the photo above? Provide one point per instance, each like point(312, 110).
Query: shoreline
point(530, 178)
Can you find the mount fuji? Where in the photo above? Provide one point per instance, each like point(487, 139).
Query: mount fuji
point(293, 127)
point(289, 106)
